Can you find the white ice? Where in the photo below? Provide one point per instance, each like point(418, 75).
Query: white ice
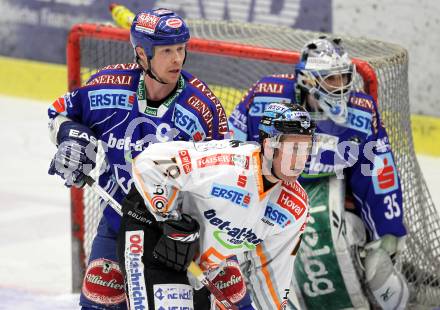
point(35, 262)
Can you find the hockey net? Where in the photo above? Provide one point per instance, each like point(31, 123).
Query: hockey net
point(230, 57)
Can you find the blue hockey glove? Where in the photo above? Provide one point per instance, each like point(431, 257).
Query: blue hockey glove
point(76, 155)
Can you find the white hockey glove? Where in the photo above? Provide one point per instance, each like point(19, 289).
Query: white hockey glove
point(76, 155)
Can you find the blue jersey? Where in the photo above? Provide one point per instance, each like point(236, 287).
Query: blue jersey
point(113, 104)
point(358, 150)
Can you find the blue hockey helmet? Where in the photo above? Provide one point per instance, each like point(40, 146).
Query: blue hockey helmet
point(321, 60)
point(151, 28)
point(283, 119)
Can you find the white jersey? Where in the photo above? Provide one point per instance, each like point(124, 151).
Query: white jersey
point(220, 184)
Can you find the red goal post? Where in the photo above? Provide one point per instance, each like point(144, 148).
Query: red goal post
point(230, 57)
point(206, 46)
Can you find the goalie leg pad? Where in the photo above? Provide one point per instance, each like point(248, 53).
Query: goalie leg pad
point(324, 269)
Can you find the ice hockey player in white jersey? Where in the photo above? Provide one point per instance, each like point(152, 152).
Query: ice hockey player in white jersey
point(209, 201)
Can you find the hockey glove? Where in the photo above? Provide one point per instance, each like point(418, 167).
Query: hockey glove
point(76, 155)
point(179, 243)
point(135, 210)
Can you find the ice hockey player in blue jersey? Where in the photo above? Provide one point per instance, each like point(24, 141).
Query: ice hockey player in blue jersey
point(126, 107)
point(351, 143)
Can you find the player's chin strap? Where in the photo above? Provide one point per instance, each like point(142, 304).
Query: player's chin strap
point(151, 74)
point(193, 268)
point(148, 71)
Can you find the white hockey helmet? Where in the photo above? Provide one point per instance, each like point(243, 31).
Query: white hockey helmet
point(326, 72)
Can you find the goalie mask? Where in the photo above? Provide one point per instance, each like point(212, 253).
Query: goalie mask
point(326, 73)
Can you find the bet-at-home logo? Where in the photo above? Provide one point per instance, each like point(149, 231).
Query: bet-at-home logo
point(231, 237)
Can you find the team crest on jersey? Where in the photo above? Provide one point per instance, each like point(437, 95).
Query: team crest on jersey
point(235, 195)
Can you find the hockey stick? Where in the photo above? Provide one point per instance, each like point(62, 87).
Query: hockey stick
point(193, 267)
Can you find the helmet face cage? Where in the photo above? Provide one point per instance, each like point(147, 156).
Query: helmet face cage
point(157, 27)
point(284, 118)
point(327, 73)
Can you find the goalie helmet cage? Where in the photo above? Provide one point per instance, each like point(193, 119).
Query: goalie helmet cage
point(229, 57)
